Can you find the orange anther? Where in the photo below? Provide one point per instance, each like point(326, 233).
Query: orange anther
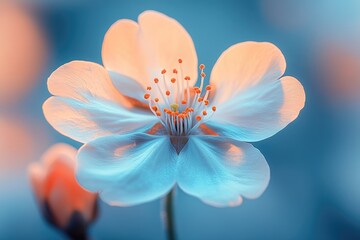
point(198, 118)
point(156, 99)
point(183, 102)
point(190, 109)
point(206, 102)
point(165, 110)
point(173, 80)
point(208, 88)
point(167, 93)
point(146, 95)
point(155, 108)
point(204, 113)
point(202, 66)
point(148, 88)
point(187, 78)
point(158, 113)
point(156, 80)
point(163, 71)
point(175, 71)
point(200, 99)
point(213, 108)
point(203, 75)
point(180, 60)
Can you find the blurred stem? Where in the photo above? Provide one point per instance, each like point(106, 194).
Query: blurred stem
point(169, 215)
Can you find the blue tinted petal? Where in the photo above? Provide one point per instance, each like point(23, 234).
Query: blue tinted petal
point(85, 121)
point(220, 171)
point(86, 104)
point(259, 112)
point(128, 86)
point(128, 169)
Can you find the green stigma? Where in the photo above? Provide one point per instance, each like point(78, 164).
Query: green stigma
point(174, 107)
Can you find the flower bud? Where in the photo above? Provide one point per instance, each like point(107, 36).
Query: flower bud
point(62, 201)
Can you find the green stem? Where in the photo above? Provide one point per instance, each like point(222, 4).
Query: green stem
point(169, 215)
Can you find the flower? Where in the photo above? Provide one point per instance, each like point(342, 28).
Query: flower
point(63, 202)
point(146, 127)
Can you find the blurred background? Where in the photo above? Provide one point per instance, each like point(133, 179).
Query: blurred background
point(314, 192)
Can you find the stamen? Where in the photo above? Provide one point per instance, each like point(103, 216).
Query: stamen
point(146, 95)
point(179, 114)
point(203, 75)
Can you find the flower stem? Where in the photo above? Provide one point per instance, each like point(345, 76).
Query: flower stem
point(169, 215)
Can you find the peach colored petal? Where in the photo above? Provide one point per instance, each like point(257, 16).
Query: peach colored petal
point(260, 112)
point(164, 41)
point(87, 105)
point(37, 177)
point(83, 80)
point(246, 65)
point(141, 51)
point(54, 181)
point(121, 53)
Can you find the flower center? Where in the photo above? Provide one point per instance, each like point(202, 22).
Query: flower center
point(179, 107)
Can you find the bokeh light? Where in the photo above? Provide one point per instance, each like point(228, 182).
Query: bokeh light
point(23, 51)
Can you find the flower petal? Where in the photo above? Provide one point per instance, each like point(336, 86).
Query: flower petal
point(121, 52)
point(220, 171)
point(163, 41)
point(127, 169)
point(260, 112)
point(245, 65)
point(128, 87)
point(88, 106)
point(54, 183)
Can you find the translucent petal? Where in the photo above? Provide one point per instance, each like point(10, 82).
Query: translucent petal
point(220, 171)
point(164, 41)
point(261, 111)
point(128, 169)
point(141, 51)
point(88, 106)
point(243, 66)
point(121, 52)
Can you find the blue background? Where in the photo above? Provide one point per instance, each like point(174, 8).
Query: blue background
point(314, 162)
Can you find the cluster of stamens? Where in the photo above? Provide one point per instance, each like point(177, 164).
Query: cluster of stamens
point(179, 107)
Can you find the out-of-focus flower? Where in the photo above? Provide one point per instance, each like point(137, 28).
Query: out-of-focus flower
point(146, 126)
point(22, 51)
point(19, 132)
point(337, 66)
point(63, 202)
